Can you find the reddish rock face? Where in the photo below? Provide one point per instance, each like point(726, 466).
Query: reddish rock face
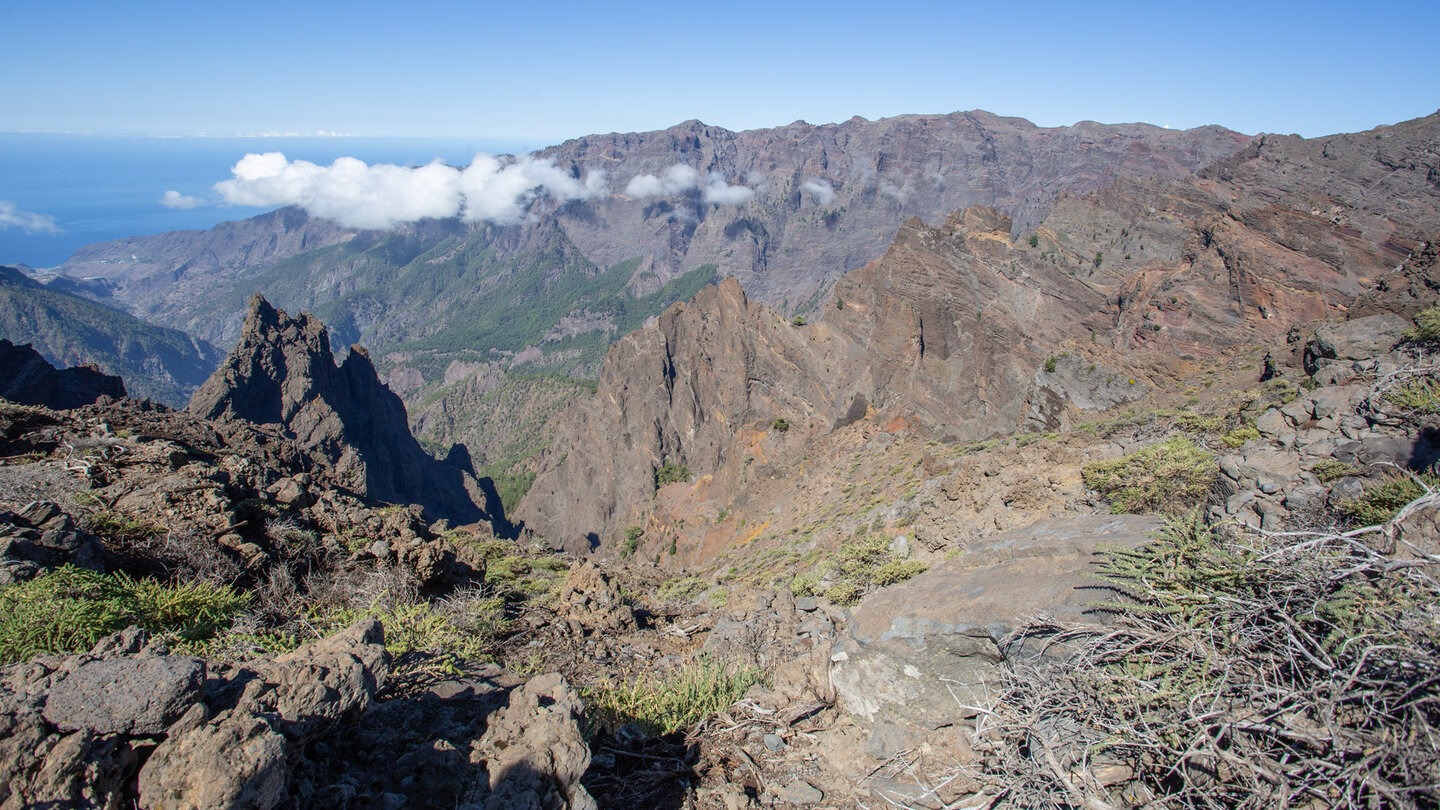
point(941, 334)
point(953, 330)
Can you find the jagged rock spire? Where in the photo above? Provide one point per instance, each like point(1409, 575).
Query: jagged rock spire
point(282, 372)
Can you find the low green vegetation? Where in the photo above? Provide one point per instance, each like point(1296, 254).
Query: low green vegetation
point(860, 567)
point(1427, 325)
point(1240, 435)
point(1168, 477)
point(1418, 396)
point(1329, 470)
point(462, 628)
point(664, 705)
point(671, 473)
point(1383, 500)
point(780, 425)
point(70, 609)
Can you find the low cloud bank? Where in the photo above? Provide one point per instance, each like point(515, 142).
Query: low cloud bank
point(12, 217)
point(822, 190)
point(184, 202)
point(680, 178)
point(383, 196)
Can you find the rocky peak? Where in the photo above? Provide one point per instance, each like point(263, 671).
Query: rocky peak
point(28, 379)
point(283, 372)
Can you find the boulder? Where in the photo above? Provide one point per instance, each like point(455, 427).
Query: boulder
point(241, 757)
point(133, 696)
point(591, 600)
point(535, 750)
point(1353, 341)
point(922, 653)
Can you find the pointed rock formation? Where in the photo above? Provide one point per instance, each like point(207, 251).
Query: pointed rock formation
point(283, 373)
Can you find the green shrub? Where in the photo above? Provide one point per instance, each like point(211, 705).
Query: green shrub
point(804, 585)
point(1240, 435)
point(70, 609)
point(464, 627)
point(121, 527)
point(1050, 365)
point(682, 590)
point(780, 425)
point(1172, 476)
point(844, 594)
point(1418, 395)
point(1382, 501)
point(632, 540)
point(660, 706)
point(1034, 240)
point(1329, 470)
point(897, 571)
point(1427, 325)
point(798, 320)
point(671, 473)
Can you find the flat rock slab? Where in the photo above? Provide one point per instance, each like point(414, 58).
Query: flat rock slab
point(924, 653)
point(1008, 577)
point(134, 696)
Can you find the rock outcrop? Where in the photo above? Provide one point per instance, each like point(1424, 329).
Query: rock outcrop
point(961, 330)
point(283, 373)
point(930, 650)
point(942, 334)
point(129, 724)
point(27, 378)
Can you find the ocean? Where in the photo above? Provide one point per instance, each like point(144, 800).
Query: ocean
point(98, 188)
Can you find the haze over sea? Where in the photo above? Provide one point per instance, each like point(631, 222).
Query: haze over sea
point(99, 188)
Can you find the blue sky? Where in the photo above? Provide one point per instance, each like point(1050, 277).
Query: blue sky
point(543, 72)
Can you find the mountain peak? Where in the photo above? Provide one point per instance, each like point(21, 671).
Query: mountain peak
point(282, 372)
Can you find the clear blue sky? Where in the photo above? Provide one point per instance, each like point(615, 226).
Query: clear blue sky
point(549, 71)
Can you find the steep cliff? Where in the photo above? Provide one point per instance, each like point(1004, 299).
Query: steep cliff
point(282, 372)
point(964, 331)
point(942, 334)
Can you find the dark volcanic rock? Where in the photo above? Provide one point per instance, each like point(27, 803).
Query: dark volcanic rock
point(134, 696)
point(282, 372)
point(28, 379)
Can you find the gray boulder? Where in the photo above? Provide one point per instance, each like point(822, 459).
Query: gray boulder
point(1359, 340)
point(126, 695)
point(920, 652)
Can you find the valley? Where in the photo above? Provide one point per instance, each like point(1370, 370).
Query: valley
point(961, 463)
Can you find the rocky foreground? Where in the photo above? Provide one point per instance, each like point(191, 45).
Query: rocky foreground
point(206, 611)
point(1136, 510)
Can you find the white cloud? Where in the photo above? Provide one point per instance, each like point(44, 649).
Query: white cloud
point(174, 199)
point(676, 179)
point(382, 196)
point(889, 189)
point(719, 192)
point(822, 190)
point(680, 178)
point(12, 217)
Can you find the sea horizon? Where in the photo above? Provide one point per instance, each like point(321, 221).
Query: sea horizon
point(98, 188)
